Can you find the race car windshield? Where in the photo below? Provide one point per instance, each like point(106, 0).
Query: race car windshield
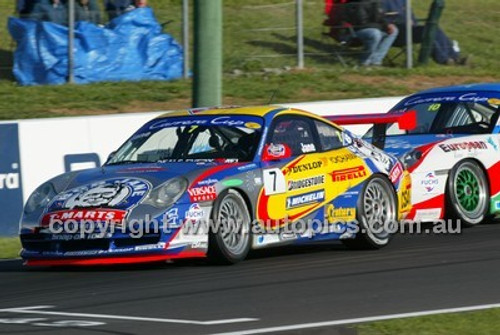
point(194, 138)
point(450, 118)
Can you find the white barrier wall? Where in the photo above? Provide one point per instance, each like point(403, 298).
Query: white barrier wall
point(33, 151)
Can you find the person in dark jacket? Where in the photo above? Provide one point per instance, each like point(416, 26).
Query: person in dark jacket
point(115, 8)
point(444, 50)
point(50, 10)
point(87, 10)
point(377, 35)
point(24, 7)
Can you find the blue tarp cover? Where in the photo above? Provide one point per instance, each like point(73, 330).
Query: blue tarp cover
point(131, 47)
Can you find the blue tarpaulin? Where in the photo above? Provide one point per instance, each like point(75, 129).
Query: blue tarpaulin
point(131, 47)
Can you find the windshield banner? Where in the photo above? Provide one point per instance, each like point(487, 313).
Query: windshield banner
point(240, 121)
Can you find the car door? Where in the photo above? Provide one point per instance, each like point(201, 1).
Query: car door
point(294, 184)
point(344, 171)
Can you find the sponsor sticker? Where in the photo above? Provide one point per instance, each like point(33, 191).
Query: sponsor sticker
point(493, 143)
point(228, 121)
point(209, 181)
point(406, 195)
point(345, 214)
point(469, 146)
point(119, 193)
point(78, 215)
point(305, 199)
point(333, 215)
point(253, 125)
point(202, 193)
point(276, 150)
point(287, 236)
point(247, 167)
point(172, 218)
point(430, 182)
point(232, 182)
point(194, 214)
point(304, 167)
point(349, 174)
point(306, 183)
point(342, 158)
point(306, 148)
point(396, 172)
point(468, 97)
point(346, 139)
point(427, 214)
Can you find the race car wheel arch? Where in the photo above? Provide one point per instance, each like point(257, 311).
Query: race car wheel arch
point(230, 230)
point(467, 193)
point(377, 211)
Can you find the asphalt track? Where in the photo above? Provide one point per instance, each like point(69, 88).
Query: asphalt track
point(274, 288)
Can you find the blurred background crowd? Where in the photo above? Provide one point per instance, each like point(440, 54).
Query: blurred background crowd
point(85, 10)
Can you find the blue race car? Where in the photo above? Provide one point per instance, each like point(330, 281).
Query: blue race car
point(253, 174)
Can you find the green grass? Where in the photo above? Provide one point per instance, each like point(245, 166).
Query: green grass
point(252, 50)
point(485, 322)
point(9, 247)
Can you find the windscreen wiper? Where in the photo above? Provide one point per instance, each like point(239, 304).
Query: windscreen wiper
point(129, 162)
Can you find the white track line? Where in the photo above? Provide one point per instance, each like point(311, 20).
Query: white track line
point(36, 310)
point(360, 320)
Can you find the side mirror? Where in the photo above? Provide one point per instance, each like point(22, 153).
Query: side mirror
point(275, 152)
point(110, 157)
point(408, 121)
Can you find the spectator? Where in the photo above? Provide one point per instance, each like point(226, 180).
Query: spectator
point(87, 10)
point(137, 4)
point(140, 3)
point(444, 50)
point(50, 10)
point(376, 34)
point(115, 8)
point(24, 7)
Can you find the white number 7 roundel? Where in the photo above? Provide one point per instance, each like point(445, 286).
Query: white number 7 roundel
point(274, 181)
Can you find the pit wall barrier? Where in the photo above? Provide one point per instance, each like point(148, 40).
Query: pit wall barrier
point(35, 150)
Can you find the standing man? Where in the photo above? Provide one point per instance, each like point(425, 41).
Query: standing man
point(371, 27)
point(87, 10)
point(53, 11)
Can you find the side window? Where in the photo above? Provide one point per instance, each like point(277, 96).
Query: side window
point(330, 137)
point(295, 132)
point(460, 116)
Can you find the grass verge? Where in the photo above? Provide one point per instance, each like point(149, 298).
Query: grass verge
point(9, 247)
point(259, 35)
point(485, 322)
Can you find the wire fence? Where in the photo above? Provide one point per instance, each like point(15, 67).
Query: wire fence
point(258, 34)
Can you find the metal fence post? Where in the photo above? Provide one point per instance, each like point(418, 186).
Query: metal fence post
point(409, 35)
point(300, 34)
point(207, 66)
point(71, 41)
point(185, 36)
point(431, 27)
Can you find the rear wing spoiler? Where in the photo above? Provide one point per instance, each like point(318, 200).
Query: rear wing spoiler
point(405, 121)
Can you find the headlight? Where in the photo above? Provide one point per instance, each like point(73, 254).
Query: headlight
point(40, 198)
point(167, 193)
point(411, 158)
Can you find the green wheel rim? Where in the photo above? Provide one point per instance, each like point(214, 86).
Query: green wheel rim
point(467, 190)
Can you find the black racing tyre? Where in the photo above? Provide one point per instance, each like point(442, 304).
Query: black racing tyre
point(377, 213)
point(467, 194)
point(229, 236)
